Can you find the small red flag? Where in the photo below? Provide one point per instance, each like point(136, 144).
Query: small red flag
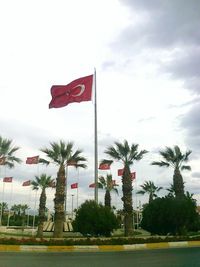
point(74, 186)
point(2, 160)
point(133, 175)
point(104, 166)
point(7, 179)
point(120, 172)
point(92, 185)
point(32, 160)
point(26, 183)
point(77, 91)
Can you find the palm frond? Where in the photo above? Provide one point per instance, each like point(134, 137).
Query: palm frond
point(81, 165)
point(44, 161)
point(113, 153)
point(160, 163)
point(123, 149)
point(140, 155)
point(186, 167)
point(186, 156)
point(140, 192)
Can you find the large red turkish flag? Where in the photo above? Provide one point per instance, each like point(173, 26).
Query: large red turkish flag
point(77, 91)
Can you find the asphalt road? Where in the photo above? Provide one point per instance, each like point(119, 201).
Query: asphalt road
point(179, 257)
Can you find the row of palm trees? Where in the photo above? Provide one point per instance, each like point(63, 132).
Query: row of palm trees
point(127, 155)
point(63, 154)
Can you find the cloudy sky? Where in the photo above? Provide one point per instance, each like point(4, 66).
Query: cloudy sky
point(147, 57)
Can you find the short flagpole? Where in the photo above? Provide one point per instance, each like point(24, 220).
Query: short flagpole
point(11, 193)
point(34, 211)
point(95, 141)
point(29, 202)
point(66, 178)
point(2, 205)
point(77, 190)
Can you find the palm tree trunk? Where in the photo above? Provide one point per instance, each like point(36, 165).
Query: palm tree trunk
point(178, 183)
point(41, 213)
point(107, 199)
point(59, 203)
point(150, 197)
point(127, 200)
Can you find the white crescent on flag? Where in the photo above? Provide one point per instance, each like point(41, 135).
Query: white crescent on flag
point(82, 89)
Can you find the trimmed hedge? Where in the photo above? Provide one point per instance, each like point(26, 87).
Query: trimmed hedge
point(95, 241)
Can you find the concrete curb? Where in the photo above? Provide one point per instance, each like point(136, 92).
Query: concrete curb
point(94, 248)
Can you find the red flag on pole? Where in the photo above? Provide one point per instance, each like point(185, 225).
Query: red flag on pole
point(92, 185)
point(104, 166)
point(7, 179)
point(133, 175)
point(32, 160)
point(74, 186)
point(77, 91)
point(120, 172)
point(2, 160)
point(26, 183)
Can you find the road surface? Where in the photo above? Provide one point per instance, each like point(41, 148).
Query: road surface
point(178, 257)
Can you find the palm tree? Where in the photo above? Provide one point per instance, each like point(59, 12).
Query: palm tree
point(23, 209)
point(7, 151)
point(109, 185)
point(3, 207)
point(149, 188)
point(16, 210)
point(126, 154)
point(62, 154)
point(43, 181)
point(173, 157)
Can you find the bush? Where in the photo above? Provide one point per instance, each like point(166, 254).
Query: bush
point(95, 220)
point(170, 215)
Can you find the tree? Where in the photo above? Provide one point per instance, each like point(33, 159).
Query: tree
point(94, 219)
point(173, 157)
point(62, 154)
point(171, 215)
point(43, 181)
point(109, 185)
point(23, 209)
point(3, 207)
point(7, 150)
point(126, 154)
point(149, 188)
point(15, 208)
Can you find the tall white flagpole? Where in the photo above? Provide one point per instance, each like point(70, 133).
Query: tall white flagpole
point(95, 141)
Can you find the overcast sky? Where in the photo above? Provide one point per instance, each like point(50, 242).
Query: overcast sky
point(147, 57)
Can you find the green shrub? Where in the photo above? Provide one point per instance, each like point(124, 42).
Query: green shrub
point(94, 220)
point(170, 215)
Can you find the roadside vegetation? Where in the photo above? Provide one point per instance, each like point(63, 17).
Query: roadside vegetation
point(174, 214)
